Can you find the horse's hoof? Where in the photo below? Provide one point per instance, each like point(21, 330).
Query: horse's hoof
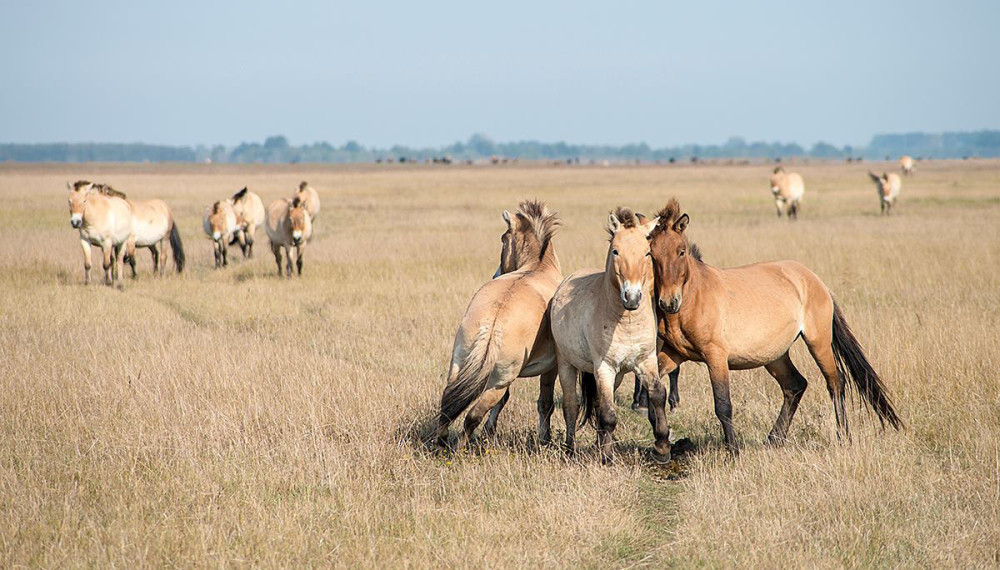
point(659, 458)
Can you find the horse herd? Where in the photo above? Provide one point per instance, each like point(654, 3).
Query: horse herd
point(108, 219)
point(655, 305)
point(788, 188)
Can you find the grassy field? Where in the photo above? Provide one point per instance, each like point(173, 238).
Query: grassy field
point(231, 418)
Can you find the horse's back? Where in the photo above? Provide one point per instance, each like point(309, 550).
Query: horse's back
point(275, 220)
point(796, 187)
point(152, 221)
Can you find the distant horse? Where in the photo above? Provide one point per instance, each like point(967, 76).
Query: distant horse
point(250, 215)
point(906, 164)
point(787, 189)
point(220, 225)
point(310, 197)
point(603, 324)
point(505, 333)
point(288, 226)
point(154, 226)
point(104, 218)
point(888, 185)
point(748, 317)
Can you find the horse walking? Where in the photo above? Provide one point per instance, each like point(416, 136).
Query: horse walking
point(250, 215)
point(748, 317)
point(288, 226)
point(906, 164)
point(220, 225)
point(154, 227)
point(888, 185)
point(104, 218)
point(603, 324)
point(787, 189)
point(505, 333)
point(308, 195)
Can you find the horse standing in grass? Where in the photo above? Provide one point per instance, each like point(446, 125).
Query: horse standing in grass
point(220, 224)
point(603, 323)
point(888, 185)
point(748, 317)
point(505, 333)
point(787, 188)
point(154, 226)
point(288, 226)
point(250, 215)
point(906, 164)
point(104, 218)
point(308, 195)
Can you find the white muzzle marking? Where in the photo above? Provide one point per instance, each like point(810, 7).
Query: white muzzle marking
point(297, 234)
point(75, 218)
point(216, 235)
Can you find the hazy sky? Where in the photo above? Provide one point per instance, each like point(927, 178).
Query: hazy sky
point(428, 73)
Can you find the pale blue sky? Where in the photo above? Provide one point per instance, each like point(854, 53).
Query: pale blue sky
point(430, 73)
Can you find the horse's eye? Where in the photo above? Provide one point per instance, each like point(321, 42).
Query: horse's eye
point(614, 252)
point(681, 253)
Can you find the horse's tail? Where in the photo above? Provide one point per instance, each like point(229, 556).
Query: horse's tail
point(852, 364)
point(588, 394)
point(473, 374)
point(177, 247)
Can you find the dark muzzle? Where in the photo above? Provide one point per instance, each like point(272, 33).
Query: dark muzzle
point(672, 306)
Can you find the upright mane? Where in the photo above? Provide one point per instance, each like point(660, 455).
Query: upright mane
point(239, 195)
point(543, 223)
point(666, 218)
point(216, 207)
point(104, 189)
point(626, 217)
point(303, 185)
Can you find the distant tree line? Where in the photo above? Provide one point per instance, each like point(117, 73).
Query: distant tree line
point(276, 149)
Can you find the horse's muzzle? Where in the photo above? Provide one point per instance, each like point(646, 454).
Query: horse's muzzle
point(631, 297)
point(671, 307)
point(76, 223)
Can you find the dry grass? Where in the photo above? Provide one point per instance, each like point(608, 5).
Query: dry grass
point(229, 418)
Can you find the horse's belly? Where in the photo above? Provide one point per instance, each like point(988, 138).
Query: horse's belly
point(539, 365)
point(149, 233)
point(746, 353)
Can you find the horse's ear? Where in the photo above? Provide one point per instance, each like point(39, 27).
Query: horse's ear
point(641, 217)
point(650, 225)
point(614, 224)
point(69, 186)
point(506, 218)
point(681, 224)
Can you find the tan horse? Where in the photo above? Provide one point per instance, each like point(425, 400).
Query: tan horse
point(310, 197)
point(104, 218)
point(288, 226)
point(888, 185)
point(787, 189)
point(154, 226)
point(504, 333)
point(603, 323)
point(906, 164)
point(250, 215)
point(220, 225)
point(748, 317)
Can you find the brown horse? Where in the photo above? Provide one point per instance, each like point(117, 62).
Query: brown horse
point(104, 218)
point(288, 226)
point(748, 317)
point(505, 333)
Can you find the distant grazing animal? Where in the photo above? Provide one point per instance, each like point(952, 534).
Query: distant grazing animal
point(888, 185)
point(288, 226)
point(154, 226)
point(603, 324)
point(906, 164)
point(104, 218)
point(505, 333)
point(250, 215)
point(310, 197)
point(787, 189)
point(748, 317)
point(220, 225)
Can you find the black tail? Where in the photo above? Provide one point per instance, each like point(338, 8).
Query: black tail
point(588, 393)
point(177, 248)
point(472, 377)
point(853, 365)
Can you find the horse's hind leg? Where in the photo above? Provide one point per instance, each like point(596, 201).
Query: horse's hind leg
point(793, 385)
point(640, 396)
point(490, 427)
point(474, 416)
point(288, 261)
point(570, 403)
point(675, 395)
point(276, 250)
point(821, 350)
point(546, 404)
point(107, 253)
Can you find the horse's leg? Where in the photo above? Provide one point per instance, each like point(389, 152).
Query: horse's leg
point(224, 248)
point(250, 231)
point(276, 250)
point(106, 248)
point(640, 396)
point(86, 260)
point(117, 264)
point(649, 373)
point(607, 419)
point(474, 416)
point(821, 349)
point(675, 396)
point(793, 385)
point(570, 403)
point(777, 206)
point(793, 210)
point(300, 250)
point(490, 427)
point(288, 261)
point(718, 371)
point(546, 404)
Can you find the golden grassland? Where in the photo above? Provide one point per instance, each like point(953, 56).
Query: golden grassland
point(231, 418)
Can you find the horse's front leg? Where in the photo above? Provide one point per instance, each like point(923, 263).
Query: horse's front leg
point(607, 418)
point(718, 372)
point(288, 261)
point(571, 403)
point(106, 250)
point(117, 260)
point(546, 404)
point(86, 260)
point(649, 375)
point(300, 250)
point(250, 237)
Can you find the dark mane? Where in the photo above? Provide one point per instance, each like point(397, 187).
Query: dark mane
point(626, 217)
point(778, 169)
point(303, 185)
point(695, 251)
point(295, 202)
point(80, 184)
point(108, 191)
point(543, 223)
point(666, 217)
point(216, 207)
point(239, 195)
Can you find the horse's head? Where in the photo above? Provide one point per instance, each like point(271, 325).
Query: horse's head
point(302, 192)
point(217, 221)
point(628, 262)
point(79, 192)
point(777, 179)
point(671, 256)
point(881, 184)
point(299, 218)
point(528, 233)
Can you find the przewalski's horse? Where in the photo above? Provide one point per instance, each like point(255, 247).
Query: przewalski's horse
point(505, 333)
point(104, 218)
point(748, 317)
point(906, 164)
point(603, 323)
point(250, 215)
point(787, 188)
point(288, 226)
point(220, 224)
point(888, 186)
point(310, 197)
point(154, 226)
